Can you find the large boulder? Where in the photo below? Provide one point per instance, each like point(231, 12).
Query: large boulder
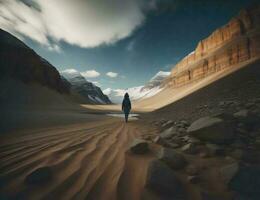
point(139, 146)
point(172, 158)
point(162, 180)
point(213, 130)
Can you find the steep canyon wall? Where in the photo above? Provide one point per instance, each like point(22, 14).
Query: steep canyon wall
point(236, 42)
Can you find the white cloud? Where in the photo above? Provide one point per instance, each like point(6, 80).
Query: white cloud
point(70, 71)
point(90, 74)
point(130, 46)
point(83, 23)
point(112, 74)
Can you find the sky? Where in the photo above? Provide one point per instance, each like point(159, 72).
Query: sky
point(116, 44)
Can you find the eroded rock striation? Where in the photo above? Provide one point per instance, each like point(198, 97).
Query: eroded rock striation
point(236, 42)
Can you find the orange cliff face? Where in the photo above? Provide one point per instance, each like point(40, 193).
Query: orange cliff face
point(234, 43)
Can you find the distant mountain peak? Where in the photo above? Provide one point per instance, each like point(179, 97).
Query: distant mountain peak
point(151, 88)
point(85, 88)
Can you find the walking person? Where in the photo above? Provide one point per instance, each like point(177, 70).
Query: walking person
point(126, 106)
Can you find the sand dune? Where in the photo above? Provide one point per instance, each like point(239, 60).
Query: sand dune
point(88, 161)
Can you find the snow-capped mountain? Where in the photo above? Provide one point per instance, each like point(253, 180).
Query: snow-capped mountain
point(140, 92)
point(88, 90)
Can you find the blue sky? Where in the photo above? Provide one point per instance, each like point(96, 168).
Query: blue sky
point(119, 44)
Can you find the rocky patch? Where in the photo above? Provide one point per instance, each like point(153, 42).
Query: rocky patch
point(139, 146)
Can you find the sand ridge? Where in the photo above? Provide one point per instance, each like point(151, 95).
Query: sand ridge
point(88, 161)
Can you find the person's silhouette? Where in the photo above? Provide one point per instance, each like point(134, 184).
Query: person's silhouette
point(126, 106)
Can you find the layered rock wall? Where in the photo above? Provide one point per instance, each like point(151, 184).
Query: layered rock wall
point(234, 43)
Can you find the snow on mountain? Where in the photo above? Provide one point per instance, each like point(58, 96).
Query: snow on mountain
point(140, 92)
point(88, 90)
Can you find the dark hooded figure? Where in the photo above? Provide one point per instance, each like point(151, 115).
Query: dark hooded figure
point(126, 106)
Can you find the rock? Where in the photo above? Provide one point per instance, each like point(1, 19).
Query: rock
point(222, 104)
point(215, 149)
point(185, 123)
point(185, 138)
point(167, 124)
point(172, 145)
point(39, 176)
point(166, 143)
point(189, 148)
point(172, 158)
point(139, 146)
point(162, 180)
point(147, 137)
point(242, 131)
point(250, 105)
point(193, 179)
point(194, 140)
point(158, 140)
point(168, 133)
point(246, 182)
point(241, 114)
point(213, 130)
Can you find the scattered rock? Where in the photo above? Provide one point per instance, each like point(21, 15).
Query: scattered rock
point(241, 114)
point(194, 140)
point(166, 143)
point(167, 124)
point(158, 140)
point(39, 176)
point(213, 130)
point(250, 105)
point(168, 133)
point(185, 123)
point(162, 180)
point(172, 145)
point(139, 146)
point(189, 148)
point(172, 158)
